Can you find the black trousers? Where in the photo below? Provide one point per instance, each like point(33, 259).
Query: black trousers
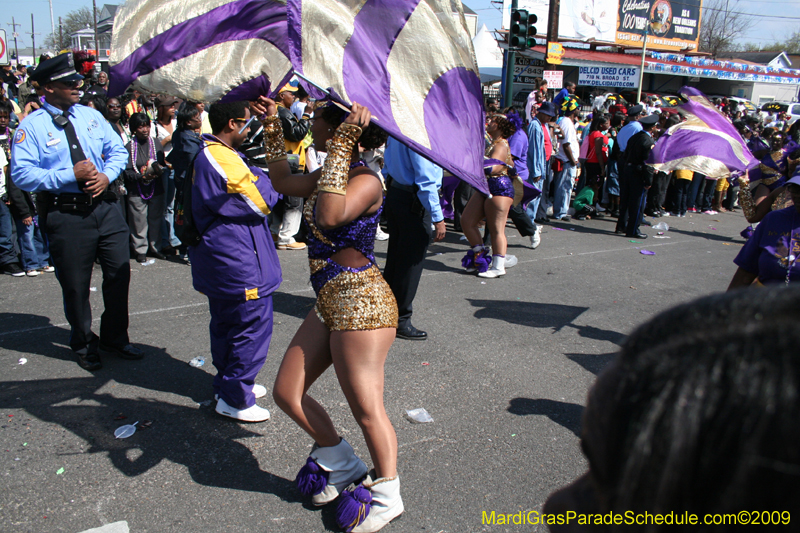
point(463, 193)
point(632, 199)
point(76, 239)
point(521, 220)
point(409, 236)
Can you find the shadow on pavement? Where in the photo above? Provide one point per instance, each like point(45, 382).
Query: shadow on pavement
point(195, 437)
point(564, 414)
point(542, 315)
point(594, 363)
point(292, 304)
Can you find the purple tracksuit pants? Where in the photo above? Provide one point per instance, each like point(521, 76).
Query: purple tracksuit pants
point(240, 335)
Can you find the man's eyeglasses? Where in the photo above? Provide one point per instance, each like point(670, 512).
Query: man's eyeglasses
point(74, 84)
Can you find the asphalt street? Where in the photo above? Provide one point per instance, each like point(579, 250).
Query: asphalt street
point(504, 375)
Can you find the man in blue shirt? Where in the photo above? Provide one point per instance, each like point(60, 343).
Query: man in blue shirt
point(413, 215)
point(68, 154)
point(631, 127)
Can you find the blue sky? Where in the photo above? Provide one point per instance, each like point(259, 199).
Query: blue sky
point(763, 32)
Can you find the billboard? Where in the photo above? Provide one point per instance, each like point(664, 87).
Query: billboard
point(675, 26)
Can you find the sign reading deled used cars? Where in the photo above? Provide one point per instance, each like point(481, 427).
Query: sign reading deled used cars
point(601, 76)
point(675, 23)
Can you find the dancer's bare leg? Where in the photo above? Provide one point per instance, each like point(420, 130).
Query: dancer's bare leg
point(497, 208)
point(359, 357)
point(307, 357)
point(471, 219)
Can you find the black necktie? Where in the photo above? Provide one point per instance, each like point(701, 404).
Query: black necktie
point(75, 150)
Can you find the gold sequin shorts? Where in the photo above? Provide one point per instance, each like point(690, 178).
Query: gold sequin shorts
point(357, 301)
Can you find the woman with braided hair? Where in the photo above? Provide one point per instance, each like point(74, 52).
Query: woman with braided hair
point(352, 325)
point(493, 208)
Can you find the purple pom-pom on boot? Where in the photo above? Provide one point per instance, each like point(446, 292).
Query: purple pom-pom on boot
point(311, 480)
point(483, 261)
point(353, 508)
point(328, 470)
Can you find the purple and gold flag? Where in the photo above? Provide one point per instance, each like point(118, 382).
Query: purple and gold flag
point(200, 50)
point(706, 142)
point(410, 61)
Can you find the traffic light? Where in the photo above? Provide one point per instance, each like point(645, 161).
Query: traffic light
point(522, 31)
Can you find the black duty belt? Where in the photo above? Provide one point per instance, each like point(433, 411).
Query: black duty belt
point(78, 202)
point(396, 185)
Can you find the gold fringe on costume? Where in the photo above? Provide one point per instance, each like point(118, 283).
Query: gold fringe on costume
point(273, 139)
point(336, 169)
point(746, 200)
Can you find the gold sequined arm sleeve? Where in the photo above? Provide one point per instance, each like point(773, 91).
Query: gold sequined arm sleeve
point(273, 139)
point(336, 168)
point(746, 199)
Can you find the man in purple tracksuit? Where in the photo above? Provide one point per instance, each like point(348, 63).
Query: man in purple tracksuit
point(235, 264)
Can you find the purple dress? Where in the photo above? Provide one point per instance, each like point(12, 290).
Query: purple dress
point(348, 298)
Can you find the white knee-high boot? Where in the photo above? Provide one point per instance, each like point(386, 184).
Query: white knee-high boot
point(342, 467)
point(498, 267)
point(379, 499)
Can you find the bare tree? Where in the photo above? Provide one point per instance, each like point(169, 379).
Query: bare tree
point(723, 23)
point(75, 20)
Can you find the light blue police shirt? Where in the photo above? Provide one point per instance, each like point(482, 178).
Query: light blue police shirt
point(407, 167)
point(40, 159)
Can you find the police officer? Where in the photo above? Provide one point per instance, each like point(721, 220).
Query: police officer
point(636, 178)
point(68, 154)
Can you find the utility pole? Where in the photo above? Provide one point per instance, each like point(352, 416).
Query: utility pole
point(508, 85)
point(552, 25)
point(96, 43)
point(641, 67)
point(15, 34)
point(60, 36)
point(33, 38)
point(52, 22)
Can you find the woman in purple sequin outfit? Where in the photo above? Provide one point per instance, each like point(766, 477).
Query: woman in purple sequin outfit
point(494, 208)
point(351, 327)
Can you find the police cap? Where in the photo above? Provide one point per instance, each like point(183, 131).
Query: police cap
point(635, 110)
point(649, 120)
point(59, 68)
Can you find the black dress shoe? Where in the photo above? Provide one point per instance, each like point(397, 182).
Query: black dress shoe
point(89, 361)
point(129, 351)
point(639, 235)
point(410, 333)
point(156, 254)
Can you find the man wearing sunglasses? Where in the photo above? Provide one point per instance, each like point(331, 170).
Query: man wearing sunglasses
point(68, 154)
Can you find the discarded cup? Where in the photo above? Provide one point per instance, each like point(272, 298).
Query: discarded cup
point(511, 260)
point(197, 362)
point(419, 416)
point(93, 289)
point(123, 432)
point(661, 226)
point(22, 360)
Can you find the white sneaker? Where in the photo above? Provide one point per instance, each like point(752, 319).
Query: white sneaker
point(381, 235)
point(32, 273)
point(253, 413)
point(259, 390)
point(536, 238)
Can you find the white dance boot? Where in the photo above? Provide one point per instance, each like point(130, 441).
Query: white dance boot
point(497, 269)
point(339, 467)
point(384, 506)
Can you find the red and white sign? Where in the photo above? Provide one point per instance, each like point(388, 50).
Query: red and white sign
point(554, 78)
point(4, 57)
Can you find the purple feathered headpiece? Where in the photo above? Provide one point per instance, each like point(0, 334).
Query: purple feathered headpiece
point(515, 119)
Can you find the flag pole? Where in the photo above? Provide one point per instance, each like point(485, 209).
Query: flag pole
point(328, 93)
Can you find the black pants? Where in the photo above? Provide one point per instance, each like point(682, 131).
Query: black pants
point(521, 220)
point(409, 236)
point(461, 196)
point(656, 193)
point(76, 239)
point(632, 198)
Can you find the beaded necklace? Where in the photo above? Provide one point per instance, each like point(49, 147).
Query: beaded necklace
point(791, 258)
point(152, 156)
